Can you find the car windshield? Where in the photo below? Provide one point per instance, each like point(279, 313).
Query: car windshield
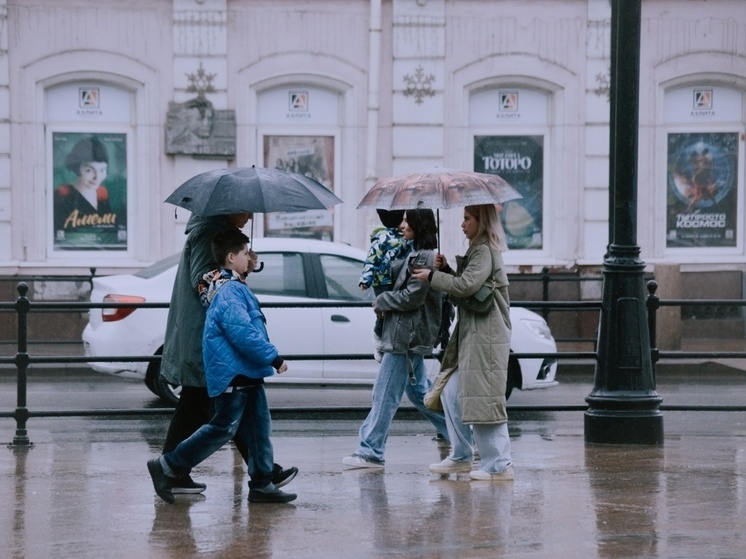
point(159, 267)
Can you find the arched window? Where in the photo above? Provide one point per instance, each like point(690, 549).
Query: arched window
point(88, 137)
point(510, 132)
point(704, 165)
point(298, 131)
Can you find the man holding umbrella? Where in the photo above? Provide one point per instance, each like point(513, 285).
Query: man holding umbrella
point(225, 198)
point(181, 362)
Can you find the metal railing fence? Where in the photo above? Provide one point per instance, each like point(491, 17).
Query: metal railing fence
point(545, 279)
point(23, 307)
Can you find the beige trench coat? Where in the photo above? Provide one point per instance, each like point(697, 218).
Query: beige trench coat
point(480, 345)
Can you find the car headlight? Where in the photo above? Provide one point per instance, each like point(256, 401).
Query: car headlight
point(538, 327)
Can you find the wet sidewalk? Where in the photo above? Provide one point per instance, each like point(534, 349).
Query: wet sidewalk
point(82, 491)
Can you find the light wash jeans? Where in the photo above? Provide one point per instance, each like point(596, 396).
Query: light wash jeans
point(243, 413)
point(492, 440)
point(392, 382)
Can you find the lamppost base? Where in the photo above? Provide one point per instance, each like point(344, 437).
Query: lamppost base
point(617, 427)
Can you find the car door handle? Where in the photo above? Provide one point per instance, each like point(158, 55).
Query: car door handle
point(339, 318)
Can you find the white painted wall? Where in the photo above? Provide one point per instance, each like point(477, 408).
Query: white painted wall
point(560, 48)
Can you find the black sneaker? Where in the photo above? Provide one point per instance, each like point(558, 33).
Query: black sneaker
point(281, 476)
point(187, 486)
point(276, 496)
point(161, 482)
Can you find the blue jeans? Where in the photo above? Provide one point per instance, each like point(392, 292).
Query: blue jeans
point(392, 382)
point(242, 413)
point(492, 440)
point(462, 443)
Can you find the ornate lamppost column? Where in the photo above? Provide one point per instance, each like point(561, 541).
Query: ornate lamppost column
point(623, 405)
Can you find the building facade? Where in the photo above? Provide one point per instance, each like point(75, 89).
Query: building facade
point(351, 91)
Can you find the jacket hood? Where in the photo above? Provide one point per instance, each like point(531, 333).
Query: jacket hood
point(195, 221)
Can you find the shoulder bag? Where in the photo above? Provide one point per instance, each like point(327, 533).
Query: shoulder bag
point(481, 302)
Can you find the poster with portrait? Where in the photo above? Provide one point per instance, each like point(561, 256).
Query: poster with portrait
point(702, 191)
point(312, 156)
point(89, 191)
point(520, 161)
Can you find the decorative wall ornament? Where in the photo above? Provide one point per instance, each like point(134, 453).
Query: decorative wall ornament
point(603, 85)
point(195, 127)
point(419, 85)
point(200, 82)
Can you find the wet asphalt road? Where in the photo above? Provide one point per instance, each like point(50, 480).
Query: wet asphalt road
point(82, 489)
point(704, 389)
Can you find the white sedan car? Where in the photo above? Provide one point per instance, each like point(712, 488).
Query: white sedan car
point(298, 271)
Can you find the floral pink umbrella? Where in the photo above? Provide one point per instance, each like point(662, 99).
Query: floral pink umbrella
point(437, 188)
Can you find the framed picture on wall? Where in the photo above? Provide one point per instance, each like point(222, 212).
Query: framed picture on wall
point(520, 161)
point(89, 191)
point(312, 156)
point(702, 190)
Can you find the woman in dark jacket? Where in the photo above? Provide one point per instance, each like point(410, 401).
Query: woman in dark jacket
point(411, 321)
point(476, 359)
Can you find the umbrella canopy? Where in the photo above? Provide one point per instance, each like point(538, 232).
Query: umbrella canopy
point(438, 188)
point(251, 190)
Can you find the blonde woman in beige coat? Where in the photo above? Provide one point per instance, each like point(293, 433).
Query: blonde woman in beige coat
point(476, 359)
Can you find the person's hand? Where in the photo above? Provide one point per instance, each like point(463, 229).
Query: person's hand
point(440, 262)
point(363, 287)
point(283, 368)
point(421, 274)
point(379, 314)
point(253, 261)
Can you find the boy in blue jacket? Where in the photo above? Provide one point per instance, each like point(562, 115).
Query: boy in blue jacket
point(237, 356)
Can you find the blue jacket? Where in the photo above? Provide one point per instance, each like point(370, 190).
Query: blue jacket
point(235, 339)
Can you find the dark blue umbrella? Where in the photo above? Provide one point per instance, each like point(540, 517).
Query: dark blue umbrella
point(251, 190)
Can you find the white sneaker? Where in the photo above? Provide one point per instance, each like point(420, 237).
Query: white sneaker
point(356, 460)
point(448, 466)
point(504, 475)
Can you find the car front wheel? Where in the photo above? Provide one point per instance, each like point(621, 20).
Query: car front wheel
point(159, 386)
point(167, 392)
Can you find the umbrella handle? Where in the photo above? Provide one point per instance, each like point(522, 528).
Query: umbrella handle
point(251, 242)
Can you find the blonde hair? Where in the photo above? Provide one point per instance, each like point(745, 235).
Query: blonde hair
point(489, 225)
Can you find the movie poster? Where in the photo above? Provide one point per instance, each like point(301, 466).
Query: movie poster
point(702, 196)
point(89, 191)
point(312, 156)
point(520, 161)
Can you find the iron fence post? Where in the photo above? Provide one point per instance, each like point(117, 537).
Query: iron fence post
point(545, 290)
point(653, 304)
point(22, 360)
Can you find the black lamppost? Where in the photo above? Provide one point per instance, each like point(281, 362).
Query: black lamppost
point(623, 405)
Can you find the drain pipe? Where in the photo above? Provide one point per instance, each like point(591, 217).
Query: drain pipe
point(374, 67)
